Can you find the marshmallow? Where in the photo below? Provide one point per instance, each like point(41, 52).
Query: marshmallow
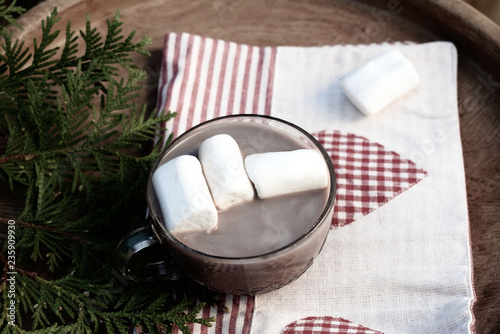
point(184, 196)
point(281, 173)
point(222, 163)
point(374, 85)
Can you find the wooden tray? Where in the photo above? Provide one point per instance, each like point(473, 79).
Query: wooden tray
point(319, 22)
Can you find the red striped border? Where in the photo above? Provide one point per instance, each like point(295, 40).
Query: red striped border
point(237, 321)
point(203, 78)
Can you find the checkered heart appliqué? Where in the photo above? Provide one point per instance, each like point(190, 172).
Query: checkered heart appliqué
point(368, 175)
point(326, 325)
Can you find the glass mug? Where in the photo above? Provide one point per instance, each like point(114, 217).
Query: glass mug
point(239, 274)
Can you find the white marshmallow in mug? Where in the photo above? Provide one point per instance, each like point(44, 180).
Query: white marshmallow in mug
point(183, 196)
point(222, 163)
point(287, 172)
point(379, 82)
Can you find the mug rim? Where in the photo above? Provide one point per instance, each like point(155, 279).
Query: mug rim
point(329, 205)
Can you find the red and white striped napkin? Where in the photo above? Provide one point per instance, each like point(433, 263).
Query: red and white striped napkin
point(397, 258)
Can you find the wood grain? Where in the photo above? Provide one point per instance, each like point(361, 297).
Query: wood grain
point(319, 22)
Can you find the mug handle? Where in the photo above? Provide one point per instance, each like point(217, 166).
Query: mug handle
point(141, 257)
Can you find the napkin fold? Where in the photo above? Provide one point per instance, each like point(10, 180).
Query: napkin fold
point(397, 258)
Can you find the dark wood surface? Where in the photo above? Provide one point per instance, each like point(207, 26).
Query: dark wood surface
point(319, 22)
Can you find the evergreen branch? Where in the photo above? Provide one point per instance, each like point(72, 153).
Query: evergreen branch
point(76, 139)
point(15, 55)
point(70, 48)
point(95, 303)
point(43, 55)
point(8, 12)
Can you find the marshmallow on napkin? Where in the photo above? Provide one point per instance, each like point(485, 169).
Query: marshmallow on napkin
point(184, 196)
point(286, 172)
point(222, 163)
point(379, 82)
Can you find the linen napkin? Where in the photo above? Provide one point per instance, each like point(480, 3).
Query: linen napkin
point(397, 258)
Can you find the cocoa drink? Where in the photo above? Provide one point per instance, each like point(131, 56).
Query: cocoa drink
point(260, 245)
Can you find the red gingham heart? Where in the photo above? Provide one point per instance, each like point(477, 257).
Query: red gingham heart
point(368, 175)
point(326, 325)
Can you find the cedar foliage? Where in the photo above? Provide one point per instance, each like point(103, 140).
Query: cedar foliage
point(77, 146)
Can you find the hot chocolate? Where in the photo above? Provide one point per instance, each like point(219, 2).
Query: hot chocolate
point(260, 226)
point(262, 244)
